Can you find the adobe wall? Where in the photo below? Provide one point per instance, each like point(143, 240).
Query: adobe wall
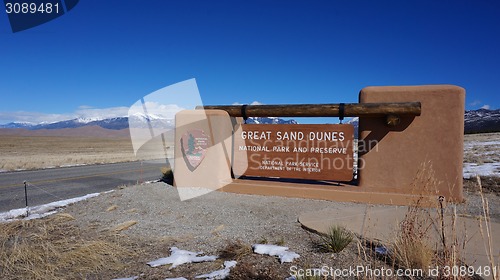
point(214, 170)
point(422, 154)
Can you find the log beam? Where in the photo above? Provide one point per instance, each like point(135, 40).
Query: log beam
point(321, 110)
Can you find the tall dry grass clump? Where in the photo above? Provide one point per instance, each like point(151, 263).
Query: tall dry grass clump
point(54, 248)
point(428, 236)
point(413, 245)
point(486, 230)
point(432, 236)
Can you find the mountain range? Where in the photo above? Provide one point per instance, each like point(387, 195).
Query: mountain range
point(476, 121)
point(482, 120)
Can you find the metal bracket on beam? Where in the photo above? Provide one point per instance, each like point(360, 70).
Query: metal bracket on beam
point(392, 120)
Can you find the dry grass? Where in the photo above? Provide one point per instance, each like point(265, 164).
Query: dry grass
point(412, 247)
point(16, 152)
point(429, 237)
point(54, 248)
point(421, 240)
point(486, 231)
point(252, 271)
point(235, 250)
point(124, 226)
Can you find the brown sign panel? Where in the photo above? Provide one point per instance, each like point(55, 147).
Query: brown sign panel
point(301, 151)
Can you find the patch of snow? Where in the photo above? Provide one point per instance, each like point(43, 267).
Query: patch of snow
point(353, 120)
point(486, 169)
point(40, 215)
point(179, 257)
point(129, 278)
point(46, 122)
point(481, 143)
point(41, 211)
point(178, 278)
point(219, 274)
point(73, 165)
point(382, 250)
point(87, 120)
point(3, 170)
point(274, 250)
point(151, 182)
point(145, 117)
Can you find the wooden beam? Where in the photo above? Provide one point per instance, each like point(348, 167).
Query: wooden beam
point(321, 110)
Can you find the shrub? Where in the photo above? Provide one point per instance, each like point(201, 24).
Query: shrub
point(336, 239)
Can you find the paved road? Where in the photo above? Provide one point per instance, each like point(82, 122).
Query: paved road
point(48, 185)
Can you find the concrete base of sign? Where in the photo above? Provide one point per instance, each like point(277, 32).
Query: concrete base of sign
point(381, 223)
point(327, 191)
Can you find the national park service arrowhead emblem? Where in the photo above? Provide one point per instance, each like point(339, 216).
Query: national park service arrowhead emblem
point(194, 145)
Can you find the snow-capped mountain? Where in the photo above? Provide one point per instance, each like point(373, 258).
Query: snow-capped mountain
point(482, 120)
point(269, 120)
point(112, 123)
point(355, 123)
point(138, 121)
point(26, 125)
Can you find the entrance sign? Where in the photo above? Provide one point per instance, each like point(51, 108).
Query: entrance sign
point(410, 148)
point(309, 151)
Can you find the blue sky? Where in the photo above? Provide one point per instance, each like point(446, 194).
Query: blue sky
point(103, 56)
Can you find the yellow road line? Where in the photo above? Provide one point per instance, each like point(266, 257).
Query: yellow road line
point(79, 177)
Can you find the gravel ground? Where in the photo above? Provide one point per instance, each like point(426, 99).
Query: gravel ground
point(473, 205)
point(210, 219)
point(211, 222)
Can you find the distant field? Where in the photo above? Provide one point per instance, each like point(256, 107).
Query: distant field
point(482, 148)
point(33, 152)
point(481, 151)
point(482, 154)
